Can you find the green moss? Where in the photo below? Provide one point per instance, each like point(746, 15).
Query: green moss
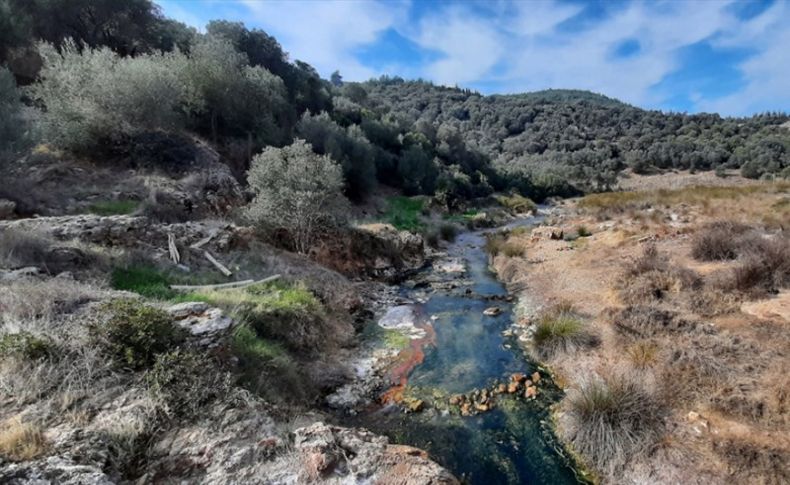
point(114, 207)
point(25, 345)
point(395, 339)
point(135, 333)
point(404, 213)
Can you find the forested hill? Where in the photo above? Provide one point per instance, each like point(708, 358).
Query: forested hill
point(586, 136)
point(238, 89)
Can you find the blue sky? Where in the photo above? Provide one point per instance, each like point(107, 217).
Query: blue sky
point(725, 56)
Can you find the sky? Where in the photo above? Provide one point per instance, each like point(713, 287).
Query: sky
point(725, 56)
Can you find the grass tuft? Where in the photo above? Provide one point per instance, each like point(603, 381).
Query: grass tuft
point(143, 280)
point(21, 441)
point(560, 330)
point(612, 420)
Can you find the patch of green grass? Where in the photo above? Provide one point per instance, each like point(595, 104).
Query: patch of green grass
point(114, 207)
point(265, 367)
point(247, 346)
point(560, 330)
point(143, 280)
point(404, 213)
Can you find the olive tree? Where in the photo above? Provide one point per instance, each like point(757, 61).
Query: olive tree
point(296, 190)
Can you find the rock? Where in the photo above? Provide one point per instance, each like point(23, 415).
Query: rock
point(414, 405)
point(518, 377)
point(332, 454)
point(186, 309)
point(55, 469)
point(512, 388)
point(501, 388)
point(466, 409)
point(7, 208)
point(20, 273)
point(451, 266)
point(482, 407)
point(201, 320)
point(404, 319)
point(492, 311)
point(536, 377)
point(531, 392)
point(456, 399)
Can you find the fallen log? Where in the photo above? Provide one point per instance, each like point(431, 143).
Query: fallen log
point(222, 269)
point(222, 286)
point(171, 246)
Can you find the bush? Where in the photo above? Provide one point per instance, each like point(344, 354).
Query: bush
point(404, 213)
point(764, 266)
point(297, 191)
point(93, 95)
point(22, 248)
point(560, 330)
point(582, 231)
point(648, 321)
point(135, 333)
point(643, 354)
point(516, 203)
point(613, 419)
point(183, 382)
point(13, 127)
point(718, 241)
point(25, 345)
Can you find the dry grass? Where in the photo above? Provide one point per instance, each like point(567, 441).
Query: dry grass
point(560, 330)
point(613, 419)
point(20, 441)
point(643, 354)
point(649, 321)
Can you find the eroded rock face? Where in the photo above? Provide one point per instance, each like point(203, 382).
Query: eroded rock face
point(55, 469)
point(332, 454)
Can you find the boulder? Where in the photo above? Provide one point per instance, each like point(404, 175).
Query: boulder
point(201, 320)
point(7, 209)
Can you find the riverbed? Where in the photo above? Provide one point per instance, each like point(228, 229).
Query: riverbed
point(458, 349)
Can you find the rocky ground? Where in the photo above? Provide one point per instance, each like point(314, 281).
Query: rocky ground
point(713, 355)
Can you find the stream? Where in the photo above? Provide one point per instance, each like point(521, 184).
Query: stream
point(461, 349)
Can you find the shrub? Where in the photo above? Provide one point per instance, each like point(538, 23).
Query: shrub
point(13, 127)
point(516, 203)
point(183, 382)
point(612, 419)
point(404, 213)
point(718, 241)
point(21, 441)
point(560, 330)
point(25, 345)
point(296, 190)
point(647, 321)
point(22, 248)
point(643, 354)
point(582, 231)
point(764, 266)
point(92, 95)
point(135, 333)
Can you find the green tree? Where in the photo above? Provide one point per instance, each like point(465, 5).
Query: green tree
point(296, 190)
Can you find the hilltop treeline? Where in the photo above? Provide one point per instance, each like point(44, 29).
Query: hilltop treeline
point(99, 76)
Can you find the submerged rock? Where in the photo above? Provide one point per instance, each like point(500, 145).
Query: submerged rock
point(492, 311)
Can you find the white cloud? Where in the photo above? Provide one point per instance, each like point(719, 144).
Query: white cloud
point(767, 74)
point(325, 34)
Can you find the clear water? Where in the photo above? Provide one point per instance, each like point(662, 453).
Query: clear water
point(512, 443)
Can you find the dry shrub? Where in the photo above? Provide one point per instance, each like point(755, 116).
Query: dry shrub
point(718, 241)
point(22, 248)
point(706, 361)
point(711, 301)
point(763, 267)
point(752, 462)
point(650, 277)
point(21, 441)
point(613, 419)
point(643, 354)
point(644, 321)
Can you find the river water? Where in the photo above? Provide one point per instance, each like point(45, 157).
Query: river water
point(513, 443)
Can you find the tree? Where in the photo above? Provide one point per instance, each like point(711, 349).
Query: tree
point(297, 191)
point(336, 79)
